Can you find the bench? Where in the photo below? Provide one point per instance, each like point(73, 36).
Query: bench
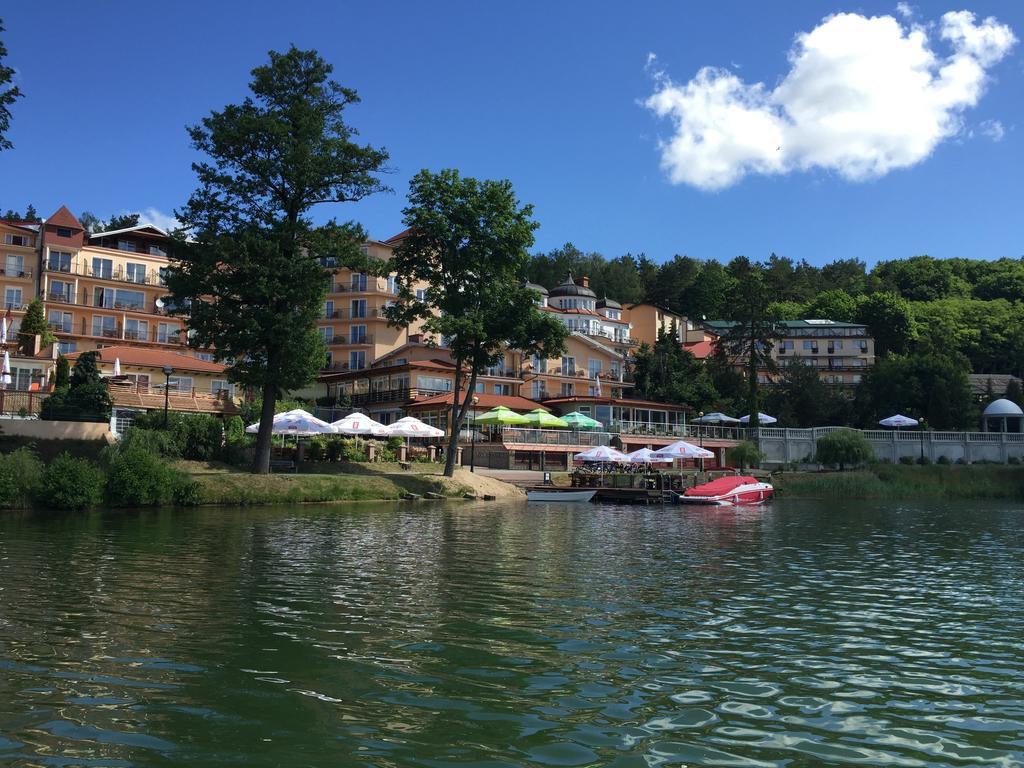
point(282, 465)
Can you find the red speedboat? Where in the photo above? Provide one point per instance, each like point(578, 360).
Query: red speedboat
point(735, 490)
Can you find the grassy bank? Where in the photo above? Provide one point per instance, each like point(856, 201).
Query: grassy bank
point(897, 482)
point(223, 485)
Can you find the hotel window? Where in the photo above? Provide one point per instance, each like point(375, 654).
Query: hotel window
point(105, 326)
point(59, 261)
point(102, 268)
point(166, 332)
point(421, 295)
point(163, 275)
point(613, 369)
point(15, 265)
point(103, 297)
point(136, 329)
point(479, 388)
point(326, 334)
point(66, 347)
point(12, 298)
point(141, 380)
point(358, 307)
point(156, 250)
point(136, 272)
point(502, 389)
point(180, 384)
point(568, 366)
point(785, 346)
point(357, 360)
point(126, 245)
point(593, 368)
point(358, 281)
point(63, 232)
point(22, 378)
point(219, 385)
point(567, 390)
point(21, 240)
point(61, 290)
point(207, 356)
point(536, 390)
point(129, 299)
point(392, 284)
point(328, 309)
point(357, 334)
point(436, 383)
point(59, 321)
point(613, 314)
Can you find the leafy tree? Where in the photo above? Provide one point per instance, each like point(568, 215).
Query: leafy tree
point(62, 374)
point(751, 340)
point(30, 214)
point(744, 454)
point(843, 447)
point(1013, 392)
point(834, 304)
point(848, 275)
point(34, 324)
point(86, 395)
point(249, 277)
point(709, 297)
point(922, 384)
point(122, 221)
point(890, 322)
point(86, 370)
point(90, 222)
point(800, 397)
point(467, 241)
point(667, 373)
point(8, 95)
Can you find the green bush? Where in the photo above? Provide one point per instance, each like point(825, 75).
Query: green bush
point(906, 459)
point(334, 450)
point(744, 455)
point(187, 493)
point(70, 483)
point(944, 460)
point(140, 478)
point(198, 437)
point(844, 447)
point(1013, 460)
point(352, 450)
point(21, 472)
point(924, 461)
point(154, 441)
point(234, 429)
point(961, 460)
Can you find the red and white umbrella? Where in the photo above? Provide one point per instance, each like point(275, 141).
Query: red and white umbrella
point(644, 456)
point(410, 426)
point(297, 422)
point(359, 424)
point(681, 450)
point(602, 453)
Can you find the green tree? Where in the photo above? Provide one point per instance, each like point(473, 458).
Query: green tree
point(835, 304)
point(922, 384)
point(750, 341)
point(8, 95)
point(667, 373)
point(848, 275)
point(62, 373)
point(468, 242)
point(249, 275)
point(890, 322)
point(34, 324)
point(843, 447)
point(30, 214)
point(121, 221)
point(709, 297)
point(744, 454)
point(1013, 392)
point(800, 398)
point(90, 222)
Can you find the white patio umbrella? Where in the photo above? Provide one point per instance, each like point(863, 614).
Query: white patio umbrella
point(5, 371)
point(297, 422)
point(899, 420)
point(410, 426)
point(602, 453)
point(3, 330)
point(762, 418)
point(716, 418)
point(117, 366)
point(359, 424)
point(681, 450)
point(644, 456)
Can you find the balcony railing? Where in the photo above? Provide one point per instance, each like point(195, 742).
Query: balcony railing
point(119, 331)
point(553, 437)
point(19, 272)
point(115, 274)
point(395, 395)
point(690, 432)
point(368, 288)
point(347, 314)
point(350, 340)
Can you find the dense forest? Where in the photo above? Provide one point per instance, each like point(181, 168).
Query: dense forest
point(933, 320)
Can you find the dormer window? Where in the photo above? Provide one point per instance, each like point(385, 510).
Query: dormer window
point(63, 232)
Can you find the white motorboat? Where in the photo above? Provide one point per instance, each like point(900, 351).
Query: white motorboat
point(549, 493)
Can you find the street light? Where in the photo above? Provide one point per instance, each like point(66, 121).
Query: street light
point(472, 444)
point(921, 424)
point(167, 390)
point(700, 433)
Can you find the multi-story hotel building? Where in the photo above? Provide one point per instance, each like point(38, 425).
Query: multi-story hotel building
point(841, 352)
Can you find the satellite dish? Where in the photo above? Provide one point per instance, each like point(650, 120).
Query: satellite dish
point(159, 303)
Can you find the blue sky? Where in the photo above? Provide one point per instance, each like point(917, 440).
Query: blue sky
point(553, 96)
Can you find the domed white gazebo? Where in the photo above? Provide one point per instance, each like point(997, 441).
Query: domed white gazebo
point(1002, 416)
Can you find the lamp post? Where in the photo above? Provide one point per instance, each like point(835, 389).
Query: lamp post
point(700, 433)
point(921, 424)
point(472, 437)
point(167, 390)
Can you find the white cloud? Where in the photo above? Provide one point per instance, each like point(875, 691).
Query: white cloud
point(158, 218)
point(863, 96)
point(905, 10)
point(993, 129)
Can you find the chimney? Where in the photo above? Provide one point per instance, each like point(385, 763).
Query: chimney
point(584, 282)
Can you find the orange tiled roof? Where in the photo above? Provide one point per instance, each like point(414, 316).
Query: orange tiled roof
point(154, 358)
point(64, 218)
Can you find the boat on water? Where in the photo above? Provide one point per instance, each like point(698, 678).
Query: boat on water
point(735, 490)
point(550, 493)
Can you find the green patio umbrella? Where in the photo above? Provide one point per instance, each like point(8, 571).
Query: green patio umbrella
point(500, 416)
point(538, 417)
point(579, 420)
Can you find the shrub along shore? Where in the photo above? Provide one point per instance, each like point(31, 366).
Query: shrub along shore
point(906, 483)
point(194, 461)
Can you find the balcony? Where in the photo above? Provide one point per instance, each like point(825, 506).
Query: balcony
point(356, 340)
point(369, 288)
point(115, 274)
point(346, 314)
point(118, 332)
point(16, 272)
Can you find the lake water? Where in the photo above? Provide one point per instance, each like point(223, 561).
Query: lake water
point(504, 635)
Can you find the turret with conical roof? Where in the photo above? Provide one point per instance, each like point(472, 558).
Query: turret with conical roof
point(571, 288)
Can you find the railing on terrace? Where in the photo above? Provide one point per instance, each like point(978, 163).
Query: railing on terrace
point(396, 394)
point(346, 313)
point(119, 331)
point(678, 431)
point(894, 435)
point(553, 437)
point(15, 271)
point(17, 402)
point(359, 338)
point(116, 274)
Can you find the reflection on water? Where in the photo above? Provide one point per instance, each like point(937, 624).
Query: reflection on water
point(489, 635)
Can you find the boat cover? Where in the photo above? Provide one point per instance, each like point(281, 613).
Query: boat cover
point(720, 486)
